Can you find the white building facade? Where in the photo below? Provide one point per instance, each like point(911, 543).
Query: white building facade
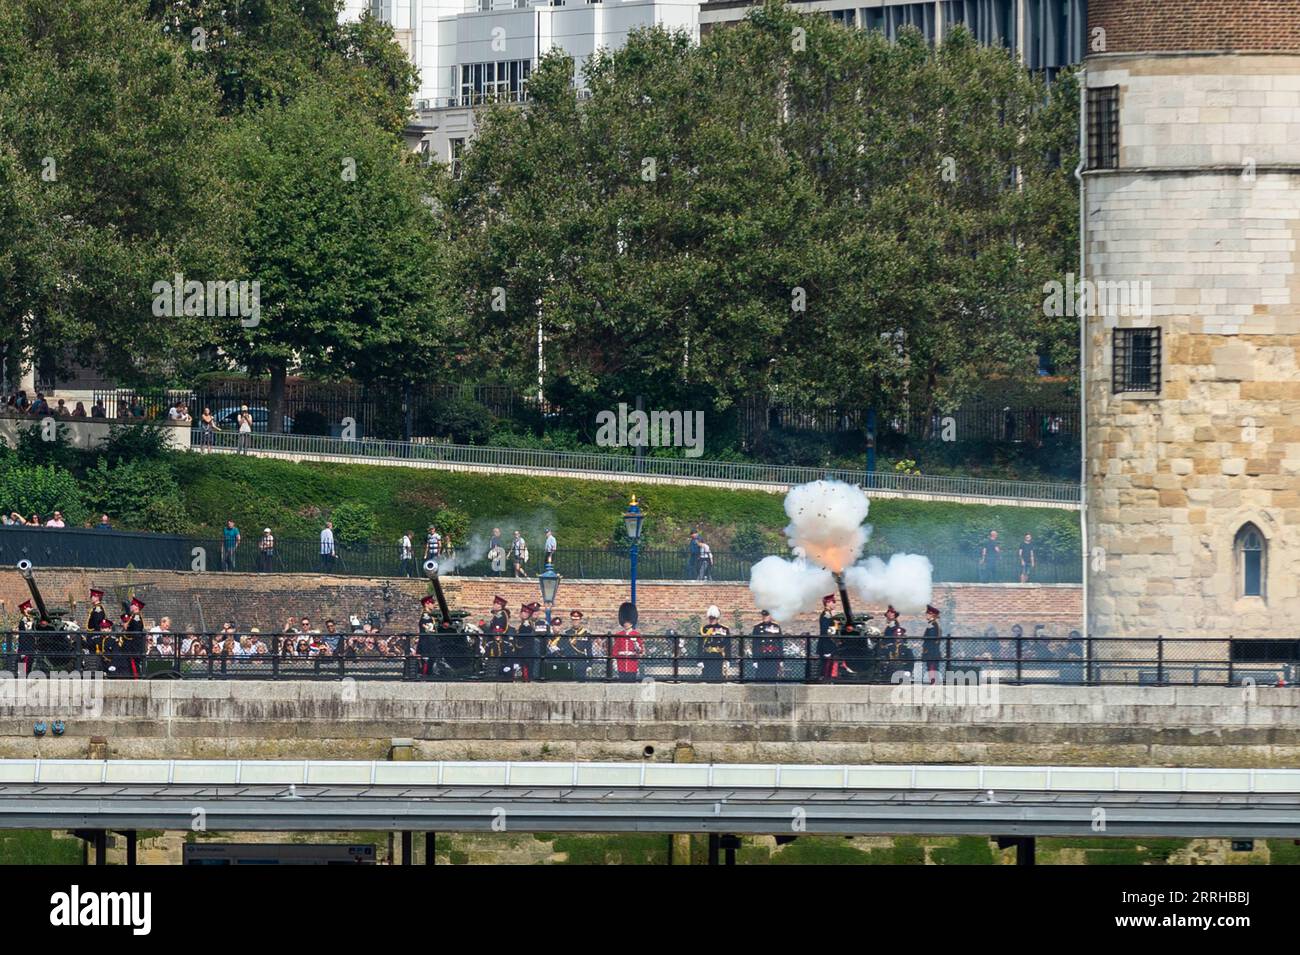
point(471, 52)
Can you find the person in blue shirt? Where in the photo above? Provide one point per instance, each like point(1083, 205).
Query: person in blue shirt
point(229, 544)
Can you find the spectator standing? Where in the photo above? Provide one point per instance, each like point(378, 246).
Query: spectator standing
point(704, 562)
point(266, 550)
point(327, 547)
point(405, 554)
point(207, 429)
point(79, 411)
point(1028, 562)
point(550, 546)
point(245, 422)
point(496, 554)
point(432, 543)
point(519, 554)
point(97, 409)
point(56, 520)
point(990, 552)
point(104, 524)
point(229, 544)
point(693, 555)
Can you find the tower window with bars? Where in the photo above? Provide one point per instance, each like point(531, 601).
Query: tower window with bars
point(1136, 365)
point(1103, 127)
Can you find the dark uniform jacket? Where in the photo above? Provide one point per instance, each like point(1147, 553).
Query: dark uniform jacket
point(772, 647)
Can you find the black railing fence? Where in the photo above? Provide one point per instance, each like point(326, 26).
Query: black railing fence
point(76, 547)
point(963, 663)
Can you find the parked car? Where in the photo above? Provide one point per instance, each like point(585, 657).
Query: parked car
point(228, 420)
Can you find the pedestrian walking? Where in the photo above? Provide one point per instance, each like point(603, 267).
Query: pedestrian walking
point(327, 553)
point(405, 555)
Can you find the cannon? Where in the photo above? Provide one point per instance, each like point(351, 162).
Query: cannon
point(449, 620)
point(456, 648)
point(50, 643)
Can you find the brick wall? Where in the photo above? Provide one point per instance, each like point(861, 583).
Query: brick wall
point(1171, 25)
point(266, 600)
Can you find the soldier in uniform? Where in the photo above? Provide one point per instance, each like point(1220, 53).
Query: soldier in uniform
point(133, 643)
point(627, 646)
point(426, 646)
point(891, 622)
point(715, 645)
point(932, 645)
point(97, 612)
point(526, 641)
point(898, 656)
point(27, 635)
point(576, 645)
point(827, 646)
point(768, 648)
point(500, 620)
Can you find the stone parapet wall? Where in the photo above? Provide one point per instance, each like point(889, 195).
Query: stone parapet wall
point(1149, 726)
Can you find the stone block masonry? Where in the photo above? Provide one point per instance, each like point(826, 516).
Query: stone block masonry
point(1036, 725)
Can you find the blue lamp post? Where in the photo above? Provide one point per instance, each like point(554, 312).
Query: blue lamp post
point(550, 583)
point(632, 521)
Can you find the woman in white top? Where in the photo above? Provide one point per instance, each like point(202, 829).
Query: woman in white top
point(245, 421)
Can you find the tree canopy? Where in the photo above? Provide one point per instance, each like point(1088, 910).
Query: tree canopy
point(790, 207)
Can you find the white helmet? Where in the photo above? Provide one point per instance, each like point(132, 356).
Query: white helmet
point(713, 611)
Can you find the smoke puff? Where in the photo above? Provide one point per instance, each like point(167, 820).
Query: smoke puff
point(826, 522)
point(787, 588)
point(905, 581)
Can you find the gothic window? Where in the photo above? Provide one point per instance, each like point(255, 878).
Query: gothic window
point(1251, 550)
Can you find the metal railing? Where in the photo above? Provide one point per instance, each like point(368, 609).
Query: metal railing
point(78, 547)
point(960, 662)
point(725, 472)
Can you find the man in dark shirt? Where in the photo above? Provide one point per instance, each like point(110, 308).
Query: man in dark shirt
point(1028, 563)
point(990, 551)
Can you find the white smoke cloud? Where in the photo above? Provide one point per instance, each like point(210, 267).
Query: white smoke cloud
point(826, 523)
point(904, 581)
point(787, 588)
point(827, 534)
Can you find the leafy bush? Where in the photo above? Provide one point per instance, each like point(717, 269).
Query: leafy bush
point(462, 420)
point(42, 490)
point(749, 541)
point(34, 450)
point(355, 524)
point(137, 493)
point(135, 442)
point(450, 520)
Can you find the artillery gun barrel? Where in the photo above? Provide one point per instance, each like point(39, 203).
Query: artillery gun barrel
point(25, 568)
point(431, 571)
point(844, 600)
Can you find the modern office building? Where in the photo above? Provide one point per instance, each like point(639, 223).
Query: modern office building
point(472, 51)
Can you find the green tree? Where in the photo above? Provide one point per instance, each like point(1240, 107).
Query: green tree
point(107, 185)
point(261, 52)
point(339, 235)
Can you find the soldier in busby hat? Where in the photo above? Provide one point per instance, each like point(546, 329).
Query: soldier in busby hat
point(627, 646)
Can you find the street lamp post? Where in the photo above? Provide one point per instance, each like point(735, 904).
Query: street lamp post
point(632, 521)
point(550, 583)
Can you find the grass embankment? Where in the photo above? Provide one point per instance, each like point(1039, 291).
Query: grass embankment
point(296, 498)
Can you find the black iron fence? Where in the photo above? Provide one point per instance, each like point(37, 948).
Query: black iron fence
point(932, 671)
point(75, 547)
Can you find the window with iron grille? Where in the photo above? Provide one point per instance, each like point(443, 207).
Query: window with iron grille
point(1103, 127)
point(1136, 364)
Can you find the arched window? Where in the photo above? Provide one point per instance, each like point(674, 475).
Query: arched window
point(1251, 550)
